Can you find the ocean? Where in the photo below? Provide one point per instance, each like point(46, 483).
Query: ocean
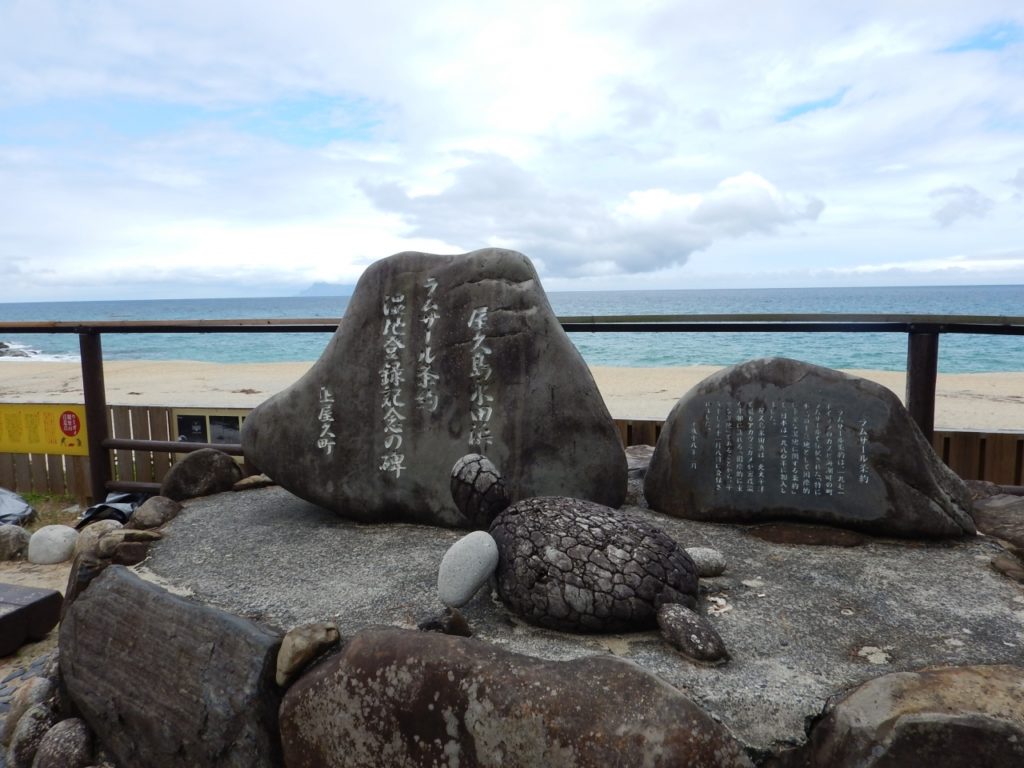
point(880, 351)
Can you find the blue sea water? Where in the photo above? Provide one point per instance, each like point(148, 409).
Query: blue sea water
point(882, 351)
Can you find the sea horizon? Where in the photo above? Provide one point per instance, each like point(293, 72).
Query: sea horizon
point(878, 351)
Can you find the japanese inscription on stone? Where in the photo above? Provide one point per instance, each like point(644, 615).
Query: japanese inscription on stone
point(809, 442)
point(480, 437)
point(325, 416)
point(391, 378)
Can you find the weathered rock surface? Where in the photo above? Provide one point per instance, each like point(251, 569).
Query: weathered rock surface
point(795, 618)
point(575, 565)
point(1002, 516)
point(13, 542)
point(691, 634)
point(201, 473)
point(201, 680)
point(36, 691)
point(52, 544)
point(708, 562)
point(954, 717)
point(466, 567)
point(779, 439)
point(67, 745)
point(394, 697)
point(437, 357)
point(155, 512)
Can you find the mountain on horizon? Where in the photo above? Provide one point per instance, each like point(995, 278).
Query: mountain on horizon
point(327, 289)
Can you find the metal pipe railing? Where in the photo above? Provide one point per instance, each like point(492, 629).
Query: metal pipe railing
point(922, 331)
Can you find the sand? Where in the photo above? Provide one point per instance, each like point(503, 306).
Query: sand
point(978, 401)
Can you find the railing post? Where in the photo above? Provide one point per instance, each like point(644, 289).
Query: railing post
point(922, 371)
point(95, 394)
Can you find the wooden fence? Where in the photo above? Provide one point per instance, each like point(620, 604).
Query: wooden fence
point(994, 456)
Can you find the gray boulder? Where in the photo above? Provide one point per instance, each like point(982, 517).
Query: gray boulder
point(437, 357)
point(28, 734)
point(52, 544)
point(398, 697)
point(90, 535)
point(779, 439)
point(201, 473)
point(954, 717)
point(13, 542)
point(201, 680)
point(38, 690)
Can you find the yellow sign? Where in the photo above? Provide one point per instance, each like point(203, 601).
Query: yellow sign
point(43, 428)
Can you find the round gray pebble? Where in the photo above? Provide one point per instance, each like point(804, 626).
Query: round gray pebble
point(710, 562)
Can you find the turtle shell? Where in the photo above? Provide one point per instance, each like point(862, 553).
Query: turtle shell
point(575, 565)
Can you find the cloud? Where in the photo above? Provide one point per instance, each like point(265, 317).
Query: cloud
point(492, 200)
point(1017, 182)
point(960, 201)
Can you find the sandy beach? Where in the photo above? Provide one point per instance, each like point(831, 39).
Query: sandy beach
point(979, 401)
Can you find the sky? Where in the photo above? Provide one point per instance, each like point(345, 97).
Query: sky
point(206, 149)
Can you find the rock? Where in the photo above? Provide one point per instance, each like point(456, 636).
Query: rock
point(638, 459)
point(478, 489)
point(28, 733)
point(691, 634)
point(252, 482)
point(466, 567)
point(1010, 566)
point(1002, 516)
point(38, 690)
point(201, 473)
point(301, 646)
point(110, 541)
point(52, 544)
point(709, 562)
point(202, 680)
point(438, 356)
point(574, 565)
point(68, 744)
point(955, 717)
point(155, 512)
point(777, 439)
point(84, 569)
point(89, 536)
point(449, 622)
point(6, 350)
point(13, 542)
point(130, 553)
point(397, 697)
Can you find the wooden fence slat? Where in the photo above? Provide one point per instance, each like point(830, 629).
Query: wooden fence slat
point(940, 443)
point(40, 481)
point(965, 455)
point(1001, 458)
point(22, 473)
point(7, 471)
point(57, 483)
point(121, 422)
point(160, 428)
point(139, 416)
point(78, 478)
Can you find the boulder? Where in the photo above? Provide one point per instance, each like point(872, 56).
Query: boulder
point(13, 542)
point(68, 744)
point(777, 439)
point(28, 734)
point(955, 717)
point(437, 357)
point(207, 694)
point(155, 512)
point(38, 690)
point(201, 473)
point(52, 544)
point(301, 646)
point(89, 536)
point(399, 697)
point(466, 567)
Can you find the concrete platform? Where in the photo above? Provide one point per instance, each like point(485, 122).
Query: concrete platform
point(802, 622)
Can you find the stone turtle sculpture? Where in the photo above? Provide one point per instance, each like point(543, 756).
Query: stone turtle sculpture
point(578, 566)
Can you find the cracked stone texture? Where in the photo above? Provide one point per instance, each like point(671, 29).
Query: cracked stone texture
point(551, 431)
point(778, 439)
point(478, 489)
point(578, 566)
point(165, 681)
point(794, 617)
point(394, 697)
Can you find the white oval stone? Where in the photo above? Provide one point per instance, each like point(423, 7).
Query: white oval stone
point(709, 562)
point(52, 544)
point(465, 567)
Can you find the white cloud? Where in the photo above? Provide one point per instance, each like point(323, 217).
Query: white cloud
point(960, 201)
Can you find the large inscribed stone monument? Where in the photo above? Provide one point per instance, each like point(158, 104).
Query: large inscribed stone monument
point(438, 357)
point(778, 439)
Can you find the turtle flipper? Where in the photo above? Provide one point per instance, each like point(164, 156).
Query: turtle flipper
point(691, 634)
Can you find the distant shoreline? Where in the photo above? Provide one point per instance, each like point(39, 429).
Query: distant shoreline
point(975, 401)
